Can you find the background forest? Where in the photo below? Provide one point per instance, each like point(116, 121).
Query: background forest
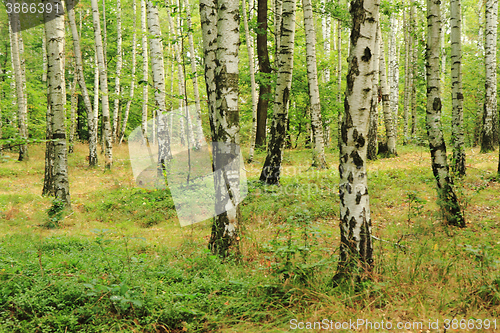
point(112, 257)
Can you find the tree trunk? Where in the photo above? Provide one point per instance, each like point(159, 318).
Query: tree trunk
point(158, 73)
point(104, 34)
point(272, 166)
point(373, 119)
point(119, 65)
point(83, 86)
point(457, 96)
point(278, 12)
point(145, 95)
point(447, 198)
point(44, 56)
point(224, 239)
point(490, 104)
point(17, 63)
point(339, 80)
point(394, 73)
point(199, 128)
point(103, 82)
point(326, 26)
point(356, 248)
point(407, 94)
point(55, 33)
point(132, 80)
point(74, 101)
point(319, 159)
point(413, 69)
point(386, 104)
point(265, 71)
point(253, 85)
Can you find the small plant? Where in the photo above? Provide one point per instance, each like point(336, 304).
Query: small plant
point(55, 213)
point(415, 205)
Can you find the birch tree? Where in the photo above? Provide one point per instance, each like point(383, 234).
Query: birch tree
point(91, 122)
point(253, 85)
point(386, 104)
point(74, 102)
point(407, 82)
point(55, 33)
point(339, 78)
point(158, 74)
point(17, 64)
point(356, 248)
point(103, 82)
point(145, 66)
point(447, 198)
point(413, 69)
point(394, 72)
point(326, 26)
point(119, 65)
point(372, 144)
point(319, 159)
point(490, 101)
point(272, 166)
point(224, 239)
point(265, 71)
point(457, 96)
point(132, 79)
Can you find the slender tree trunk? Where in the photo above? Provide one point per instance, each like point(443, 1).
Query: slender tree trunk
point(44, 57)
point(442, 42)
point(253, 85)
point(199, 128)
point(326, 26)
point(394, 73)
point(132, 80)
point(119, 65)
point(265, 71)
point(272, 166)
point(413, 69)
point(95, 118)
point(339, 80)
point(373, 119)
point(224, 239)
point(407, 94)
point(278, 12)
point(457, 96)
point(17, 63)
point(158, 73)
point(447, 198)
point(386, 103)
point(145, 95)
point(55, 33)
point(356, 248)
point(319, 159)
point(104, 33)
point(103, 82)
point(74, 102)
point(490, 104)
point(91, 122)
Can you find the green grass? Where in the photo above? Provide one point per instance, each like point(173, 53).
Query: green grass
point(120, 262)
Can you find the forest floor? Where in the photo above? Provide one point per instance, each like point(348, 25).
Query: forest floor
point(120, 262)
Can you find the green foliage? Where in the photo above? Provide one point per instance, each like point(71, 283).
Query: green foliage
point(55, 214)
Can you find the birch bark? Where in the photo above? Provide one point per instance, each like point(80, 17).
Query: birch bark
point(386, 104)
point(371, 152)
point(145, 66)
point(119, 65)
point(394, 72)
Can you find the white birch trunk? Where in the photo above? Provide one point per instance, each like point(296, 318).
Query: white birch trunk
point(339, 78)
point(119, 65)
point(55, 33)
point(447, 199)
point(103, 82)
point(356, 248)
point(407, 95)
point(74, 102)
point(394, 72)
point(373, 119)
point(490, 51)
point(145, 66)
point(456, 88)
point(278, 17)
point(319, 159)
point(386, 103)
point(272, 166)
point(44, 57)
point(196, 92)
point(91, 121)
point(326, 26)
point(132, 80)
point(158, 73)
point(253, 85)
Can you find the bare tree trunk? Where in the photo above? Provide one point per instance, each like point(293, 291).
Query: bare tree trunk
point(119, 65)
point(278, 12)
point(490, 104)
point(199, 128)
point(83, 86)
point(104, 33)
point(326, 26)
point(95, 118)
point(44, 57)
point(373, 119)
point(145, 96)
point(356, 248)
point(413, 69)
point(55, 33)
point(17, 63)
point(224, 239)
point(265, 71)
point(456, 88)
point(272, 166)
point(447, 198)
point(394, 73)
point(74, 102)
point(319, 159)
point(339, 79)
point(386, 104)
point(103, 82)
point(253, 85)
point(407, 94)
point(134, 63)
